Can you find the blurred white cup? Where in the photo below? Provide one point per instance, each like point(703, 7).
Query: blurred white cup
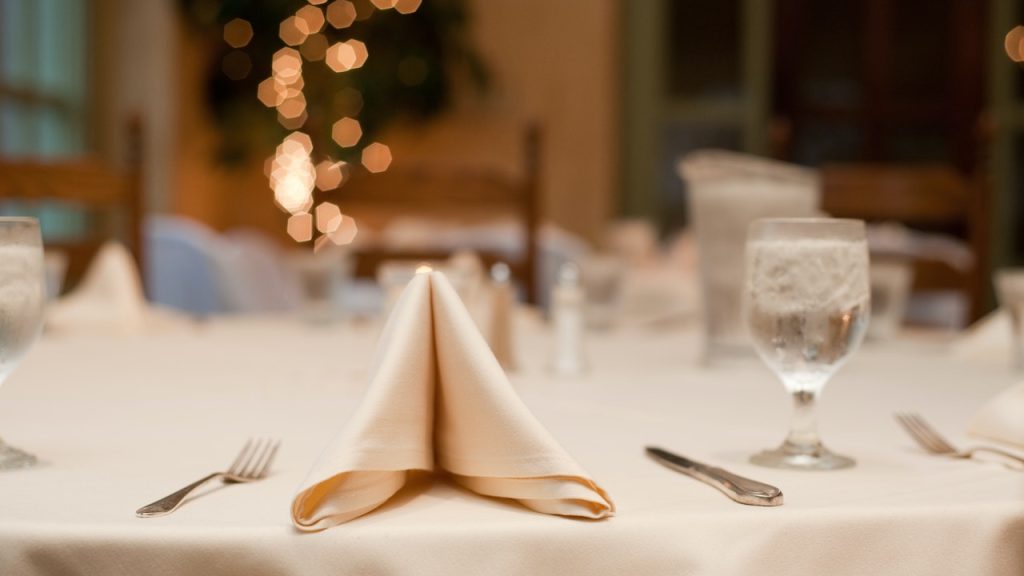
point(891, 279)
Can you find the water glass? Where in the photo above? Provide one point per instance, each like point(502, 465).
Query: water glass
point(22, 300)
point(725, 192)
point(322, 278)
point(891, 280)
point(807, 304)
point(602, 277)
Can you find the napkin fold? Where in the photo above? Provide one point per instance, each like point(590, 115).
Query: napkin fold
point(109, 297)
point(438, 399)
point(1002, 418)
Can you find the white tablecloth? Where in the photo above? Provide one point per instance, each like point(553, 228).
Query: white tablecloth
point(121, 422)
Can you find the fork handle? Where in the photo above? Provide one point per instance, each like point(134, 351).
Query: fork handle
point(999, 451)
point(169, 503)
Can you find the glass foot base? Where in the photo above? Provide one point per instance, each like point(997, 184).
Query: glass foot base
point(11, 458)
point(792, 457)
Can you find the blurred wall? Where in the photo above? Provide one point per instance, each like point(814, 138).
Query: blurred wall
point(134, 46)
point(552, 61)
point(558, 62)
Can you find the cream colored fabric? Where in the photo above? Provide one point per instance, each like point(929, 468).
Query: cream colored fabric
point(987, 341)
point(439, 397)
point(109, 298)
point(1002, 418)
point(120, 421)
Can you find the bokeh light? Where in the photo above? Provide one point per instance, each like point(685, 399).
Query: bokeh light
point(345, 232)
point(341, 14)
point(293, 107)
point(287, 65)
point(1012, 43)
point(293, 123)
point(292, 173)
point(376, 157)
point(407, 6)
point(314, 48)
point(364, 9)
point(329, 174)
point(346, 132)
point(300, 227)
point(328, 217)
point(238, 33)
point(348, 102)
point(271, 92)
point(292, 32)
point(341, 57)
point(359, 49)
point(384, 4)
point(309, 19)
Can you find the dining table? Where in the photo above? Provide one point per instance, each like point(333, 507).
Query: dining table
point(121, 419)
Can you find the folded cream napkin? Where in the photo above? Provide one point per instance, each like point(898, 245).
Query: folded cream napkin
point(109, 297)
point(439, 399)
point(987, 341)
point(1002, 418)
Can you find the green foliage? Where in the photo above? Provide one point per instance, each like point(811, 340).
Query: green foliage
point(431, 45)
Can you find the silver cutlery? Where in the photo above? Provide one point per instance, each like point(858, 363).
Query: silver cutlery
point(739, 488)
point(928, 438)
point(251, 464)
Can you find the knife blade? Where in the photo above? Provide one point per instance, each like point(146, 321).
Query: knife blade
point(739, 488)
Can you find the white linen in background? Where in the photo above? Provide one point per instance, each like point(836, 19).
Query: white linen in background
point(987, 341)
point(109, 299)
point(439, 397)
point(1002, 418)
point(120, 422)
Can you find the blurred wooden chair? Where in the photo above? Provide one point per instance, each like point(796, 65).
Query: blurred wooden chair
point(464, 191)
point(108, 198)
point(926, 197)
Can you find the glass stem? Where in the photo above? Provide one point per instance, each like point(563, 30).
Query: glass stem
point(803, 427)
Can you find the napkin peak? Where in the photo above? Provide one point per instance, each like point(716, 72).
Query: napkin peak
point(110, 293)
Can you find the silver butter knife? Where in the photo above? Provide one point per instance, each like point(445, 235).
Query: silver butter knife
point(740, 489)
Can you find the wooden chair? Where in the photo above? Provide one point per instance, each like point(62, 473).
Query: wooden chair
point(110, 200)
point(466, 193)
point(927, 197)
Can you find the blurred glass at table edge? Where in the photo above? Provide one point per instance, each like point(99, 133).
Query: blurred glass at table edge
point(323, 278)
point(891, 280)
point(602, 278)
point(22, 302)
point(726, 191)
point(1009, 284)
point(55, 265)
point(807, 305)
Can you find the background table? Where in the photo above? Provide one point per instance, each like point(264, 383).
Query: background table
point(122, 421)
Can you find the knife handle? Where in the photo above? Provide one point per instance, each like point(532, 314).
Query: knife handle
point(739, 488)
point(742, 489)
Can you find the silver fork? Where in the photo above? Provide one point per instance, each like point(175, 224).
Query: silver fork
point(251, 464)
point(926, 436)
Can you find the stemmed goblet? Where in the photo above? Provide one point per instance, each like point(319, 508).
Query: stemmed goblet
point(807, 303)
point(22, 297)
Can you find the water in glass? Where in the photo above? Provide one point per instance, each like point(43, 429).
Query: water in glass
point(807, 309)
point(22, 298)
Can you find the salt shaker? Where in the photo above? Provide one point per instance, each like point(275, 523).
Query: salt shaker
point(567, 314)
point(499, 333)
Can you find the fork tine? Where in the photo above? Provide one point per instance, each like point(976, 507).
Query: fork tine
point(941, 443)
point(240, 458)
point(265, 466)
point(909, 425)
point(253, 464)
